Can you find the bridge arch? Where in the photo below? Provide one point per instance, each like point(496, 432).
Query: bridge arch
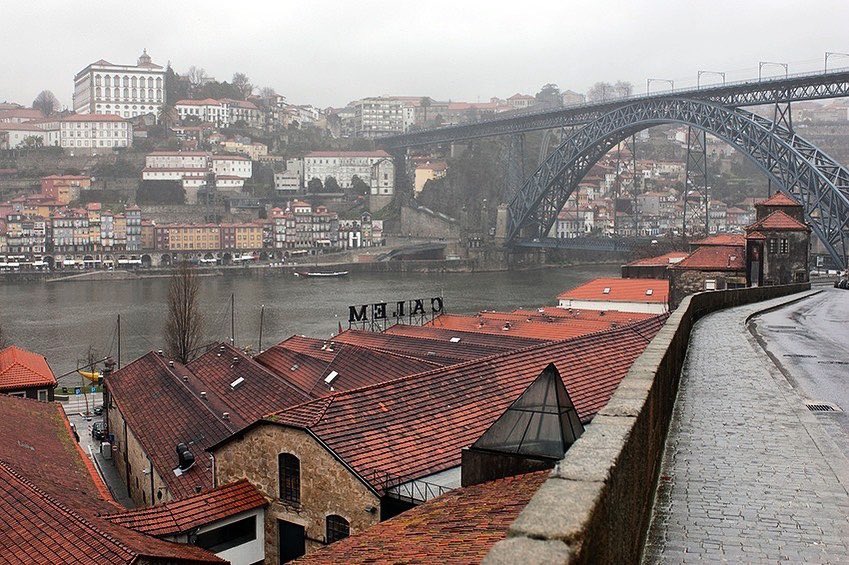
point(813, 178)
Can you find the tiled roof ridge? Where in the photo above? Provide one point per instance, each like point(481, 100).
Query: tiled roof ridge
point(62, 507)
point(201, 401)
point(486, 359)
point(254, 363)
point(16, 358)
point(778, 214)
point(306, 352)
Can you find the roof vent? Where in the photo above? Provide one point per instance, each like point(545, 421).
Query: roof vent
point(225, 416)
point(185, 378)
point(235, 384)
point(649, 291)
point(185, 458)
point(606, 290)
point(235, 360)
point(295, 367)
point(170, 363)
point(454, 340)
point(160, 353)
point(203, 394)
point(330, 377)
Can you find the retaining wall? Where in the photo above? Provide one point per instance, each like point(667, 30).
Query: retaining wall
point(596, 506)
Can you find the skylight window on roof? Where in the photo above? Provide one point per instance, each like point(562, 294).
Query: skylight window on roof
point(235, 384)
point(329, 378)
point(649, 291)
point(454, 340)
point(606, 290)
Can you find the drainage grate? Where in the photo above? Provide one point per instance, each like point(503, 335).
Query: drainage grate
point(833, 362)
point(821, 407)
point(799, 355)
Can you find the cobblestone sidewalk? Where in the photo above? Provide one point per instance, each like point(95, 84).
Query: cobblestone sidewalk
point(747, 475)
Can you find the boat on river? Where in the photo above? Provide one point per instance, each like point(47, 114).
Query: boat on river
point(321, 274)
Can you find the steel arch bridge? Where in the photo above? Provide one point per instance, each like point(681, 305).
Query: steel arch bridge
point(816, 180)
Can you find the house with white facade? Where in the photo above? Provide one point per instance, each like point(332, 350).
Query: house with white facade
point(223, 113)
point(192, 168)
point(121, 90)
point(95, 133)
point(375, 168)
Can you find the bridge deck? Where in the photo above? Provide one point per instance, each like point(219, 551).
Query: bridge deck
point(748, 474)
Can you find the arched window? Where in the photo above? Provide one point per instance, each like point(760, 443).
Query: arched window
point(150, 94)
point(107, 80)
point(97, 92)
point(158, 82)
point(126, 80)
point(337, 528)
point(135, 82)
point(289, 473)
point(97, 80)
point(126, 93)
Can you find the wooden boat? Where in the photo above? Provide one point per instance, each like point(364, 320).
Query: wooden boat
point(319, 274)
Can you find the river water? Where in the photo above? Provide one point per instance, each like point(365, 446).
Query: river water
point(62, 319)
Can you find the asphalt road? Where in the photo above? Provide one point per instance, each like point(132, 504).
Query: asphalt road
point(809, 340)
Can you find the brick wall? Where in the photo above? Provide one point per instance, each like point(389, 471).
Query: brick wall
point(327, 486)
point(601, 512)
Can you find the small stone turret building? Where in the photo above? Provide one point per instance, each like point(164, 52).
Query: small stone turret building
point(778, 243)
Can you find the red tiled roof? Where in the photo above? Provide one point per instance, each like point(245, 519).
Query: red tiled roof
point(501, 341)
point(260, 392)
point(574, 313)
point(93, 118)
point(36, 527)
point(459, 527)
point(20, 127)
point(778, 220)
point(660, 261)
point(755, 235)
point(342, 154)
point(778, 199)
point(162, 410)
point(722, 239)
point(552, 329)
point(20, 369)
point(182, 515)
point(25, 113)
point(715, 258)
point(444, 351)
point(621, 290)
point(417, 425)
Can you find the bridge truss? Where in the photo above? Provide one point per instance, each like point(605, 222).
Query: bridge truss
point(816, 180)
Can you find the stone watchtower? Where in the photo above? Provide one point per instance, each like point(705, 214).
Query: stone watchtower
point(778, 243)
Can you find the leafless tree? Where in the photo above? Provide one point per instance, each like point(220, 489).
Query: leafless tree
point(623, 89)
point(600, 91)
point(47, 102)
point(267, 92)
point(184, 324)
point(243, 83)
point(2, 338)
point(197, 76)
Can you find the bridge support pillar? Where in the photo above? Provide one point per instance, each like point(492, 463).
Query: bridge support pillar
point(515, 166)
point(695, 183)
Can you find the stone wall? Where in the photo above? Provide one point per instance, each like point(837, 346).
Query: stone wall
point(327, 486)
point(684, 283)
point(596, 506)
point(424, 223)
point(143, 487)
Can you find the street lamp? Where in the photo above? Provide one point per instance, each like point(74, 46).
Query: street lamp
point(763, 64)
point(715, 73)
point(835, 54)
point(671, 83)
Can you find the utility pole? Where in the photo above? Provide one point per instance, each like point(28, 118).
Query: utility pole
point(261, 319)
point(233, 319)
point(119, 341)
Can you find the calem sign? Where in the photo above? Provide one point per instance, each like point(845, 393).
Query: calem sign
point(380, 311)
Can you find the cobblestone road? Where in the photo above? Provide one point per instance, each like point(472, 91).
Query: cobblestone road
point(748, 475)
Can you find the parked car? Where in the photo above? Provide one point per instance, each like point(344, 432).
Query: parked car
point(98, 431)
point(98, 410)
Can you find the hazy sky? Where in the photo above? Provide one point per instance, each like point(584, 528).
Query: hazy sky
point(328, 53)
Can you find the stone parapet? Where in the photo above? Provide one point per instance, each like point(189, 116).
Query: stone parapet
point(596, 506)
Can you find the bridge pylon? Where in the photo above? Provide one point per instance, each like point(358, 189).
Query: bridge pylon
point(696, 181)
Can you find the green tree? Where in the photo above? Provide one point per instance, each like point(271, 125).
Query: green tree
point(549, 94)
point(32, 142)
point(161, 192)
point(167, 116)
point(330, 185)
point(243, 83)
point(425, 103)
point(176, 87)
point(359, 186)
point(314, 185)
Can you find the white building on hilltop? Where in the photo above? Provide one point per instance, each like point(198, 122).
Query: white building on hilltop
point(95, 133)
point(121, 90)
point(192, 168)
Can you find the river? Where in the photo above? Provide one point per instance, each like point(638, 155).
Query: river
point(62, 319)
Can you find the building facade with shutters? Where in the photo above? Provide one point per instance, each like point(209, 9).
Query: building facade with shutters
point(122, 90)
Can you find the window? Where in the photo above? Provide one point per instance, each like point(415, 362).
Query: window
point(229, 536)
point(784, 246)
point(289, 471)
point(773, 245)
point(337, 528)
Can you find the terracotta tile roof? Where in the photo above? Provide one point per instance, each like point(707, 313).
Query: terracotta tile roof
point(20, 369)
point(261, 391)
point(354, 366)
point(574, 313)
point(162, 410)
point(23, 113)
point(442, 351)
point(715, 258)
point(49, 486)
point(551, 329)
point(722, 239)
point(182, 515)
point(778, 220)
point(417, 425)
point(500, 341)
point(660, 261)
point(621, 290)
point(93, 118)
point(755, 235)
point(778, 199)
point(459, 527)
